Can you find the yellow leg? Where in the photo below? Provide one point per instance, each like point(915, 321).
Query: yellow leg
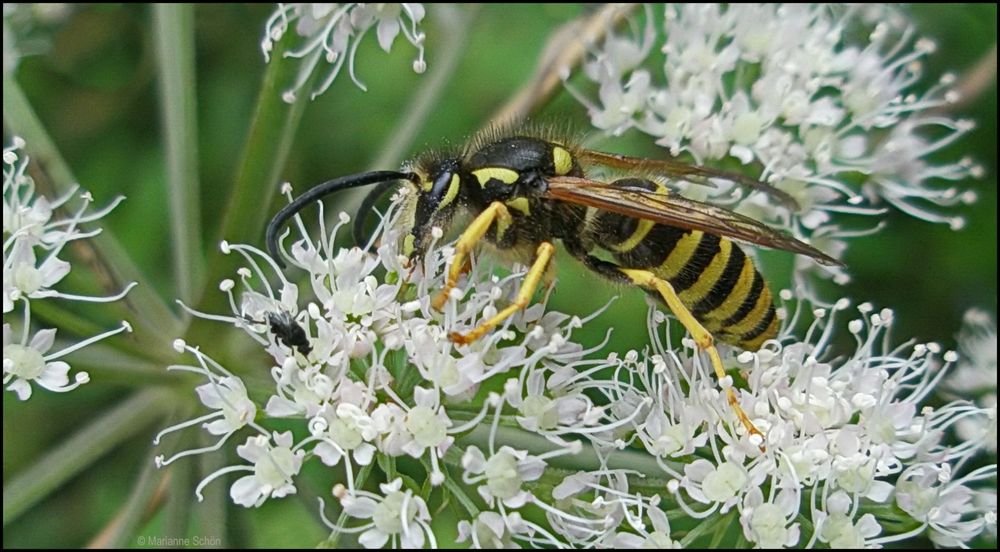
point(535, 274)
point(497, 212)
point(702, 337)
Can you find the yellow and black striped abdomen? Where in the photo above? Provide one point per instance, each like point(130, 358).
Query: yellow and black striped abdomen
point(714, 279)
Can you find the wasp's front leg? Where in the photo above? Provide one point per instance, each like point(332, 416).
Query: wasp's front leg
point(497, 212)
point(534, 276)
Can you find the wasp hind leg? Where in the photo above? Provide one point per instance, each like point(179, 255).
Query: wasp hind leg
point(702, 337)
point(543, 258)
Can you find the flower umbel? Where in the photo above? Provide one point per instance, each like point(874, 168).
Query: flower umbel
point(380, 382)
point(32, 228)
point(331, 34)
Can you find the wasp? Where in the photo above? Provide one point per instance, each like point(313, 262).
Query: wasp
point(527, 191)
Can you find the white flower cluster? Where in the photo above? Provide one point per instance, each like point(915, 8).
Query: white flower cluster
point(846, 436)
point(34, 237)
point(364, 364)
point(788, 93)
point(331, 33)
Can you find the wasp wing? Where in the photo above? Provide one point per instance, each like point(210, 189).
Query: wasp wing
point(674, 210)
point(678, 170)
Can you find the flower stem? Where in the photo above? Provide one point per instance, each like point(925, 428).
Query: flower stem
point(258, 175)
point(175, 61)
point(587, 459)
point(145, 494)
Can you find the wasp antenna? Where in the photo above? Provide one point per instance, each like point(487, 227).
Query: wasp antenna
point(317, 192)
point(360, 239)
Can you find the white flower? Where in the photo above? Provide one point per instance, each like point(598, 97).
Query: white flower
point(976, 376)
point(349, 429)
point(489, 530)
point(273, 469)
point(837, 528)
point(331, 33)
point(28, 362)
point(224, 393)
point(504, 473)
point(25, 278)
point(708, 483)
point(657, 538)
point(28, 225)
point(394, 514)
point(539, 412)
point(229, 396)
point(769, 524)
point(31, 232)
point(587, 504)
point(932, 496)
point(426, 430)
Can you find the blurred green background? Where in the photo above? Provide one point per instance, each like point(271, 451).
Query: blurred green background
point(94, 87)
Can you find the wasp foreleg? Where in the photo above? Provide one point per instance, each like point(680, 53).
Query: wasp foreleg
point(496, 212)
point(531, 280)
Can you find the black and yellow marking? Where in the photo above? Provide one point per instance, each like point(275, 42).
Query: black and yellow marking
point(642, 228)
point(500, 174)
point(712, 277)
point(677, 259)
point(562, 161)
point(520, 204)
point(452, 192)
point(729, 287)
point(686, 276)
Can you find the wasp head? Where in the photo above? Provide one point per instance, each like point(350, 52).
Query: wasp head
point(438, 188)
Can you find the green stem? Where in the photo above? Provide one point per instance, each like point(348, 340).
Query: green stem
point(211, 512)
point(719, 535)
point(454, 456)
point(176, 510)
point(76, 454)
point(269, 141)
point(177, 518)
point(174, 25)
point(713, 524)
point(136, 508)
point(586, 460)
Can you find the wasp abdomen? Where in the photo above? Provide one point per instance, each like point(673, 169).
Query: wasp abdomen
point(714, 279)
